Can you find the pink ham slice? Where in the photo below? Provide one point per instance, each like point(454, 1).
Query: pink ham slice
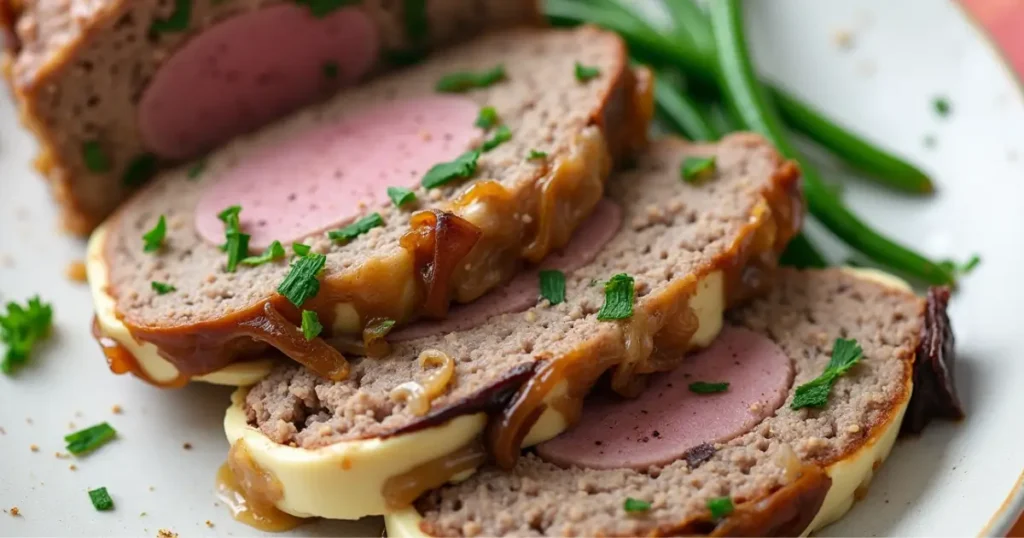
point(249, 70)
point(668, 420)
point(524, 290)
point(327, 176)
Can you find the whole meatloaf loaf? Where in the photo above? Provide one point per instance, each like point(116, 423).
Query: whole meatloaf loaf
point(653, 268)
point(419, 188)
point(116, 89)
point(774, 430)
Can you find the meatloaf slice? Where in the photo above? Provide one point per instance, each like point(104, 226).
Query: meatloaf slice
point(79, 68)
point(459, 240)
point(794, 472)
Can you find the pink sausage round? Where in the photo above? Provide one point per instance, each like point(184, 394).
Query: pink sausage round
point(668, 419)
point(523, 291)
point(327, 176)
point(250, 69)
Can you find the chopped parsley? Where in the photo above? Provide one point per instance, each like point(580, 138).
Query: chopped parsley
point(230, 218)
point(162, 288)
point(401, 196)
point(237, 245)
point(301, 249)
point(89, 439)
point(20, 329)
point(462, 167)
point(502, 135)
point(814, 393)
point(697, 169)
point(961, 269)
point(552, 286)
point(196, 169)
point(464, 81)
point(487, 118)
point(153, 240)
point(942, 106)
point(310, 324)
point(140, 170)
point(274, 252)
point(96, 160)
point(585, 72)
point(177, 22)
point(618, 298)
point(635, 505)
point(703, 387)
point(417, 25)
point(101, 499)
point(322, 8)
point(330, 70)
point(720, 507)
point(535, 155)
point(357, 228)
point(301, 282)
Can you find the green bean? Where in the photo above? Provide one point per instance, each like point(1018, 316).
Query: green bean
point(681, 111)
point(801, 253)
point(758, 113)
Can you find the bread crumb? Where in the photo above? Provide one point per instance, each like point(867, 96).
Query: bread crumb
point(28, 420)
point(15, 511)
point(73, 467)
point(62, 455)
point(117, 409)
point(187, 446)
point(6, 260)
point(755, 407)
point(34, 447)
point(3, 431)
point(75, 271)
point(531, 316)
point(843, 39)
point(166, 533)
point(71, 426)
point(209, 523)
point(853, 428)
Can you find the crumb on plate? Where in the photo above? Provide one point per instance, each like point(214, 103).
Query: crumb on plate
point(187, 446)
point(34, 447)
point(166, 533)
point(15, 511)
point(117, 409)
point(75, 271)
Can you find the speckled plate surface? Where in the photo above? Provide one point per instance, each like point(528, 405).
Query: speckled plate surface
point(955, 480)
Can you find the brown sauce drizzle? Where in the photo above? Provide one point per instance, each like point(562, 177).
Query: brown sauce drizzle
point(439, 241)
point(121, 361)
point(250, 493)
point(401, 490)
point(314, 354)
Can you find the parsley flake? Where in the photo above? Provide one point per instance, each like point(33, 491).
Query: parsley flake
point(536, 155)
point(177, 22)
point(20, 329)
point(301, 282)
point(401, 196)
point(274, 252)
point(618, 298)
point(162, 288)
point(101, 499)
point(632, 505)
point(357, 228)
point(153, 240)
point(697, 169)
point(552, 286)
point(196, 169)
point(140, 170)
point(961, 269)
point(89, 439)
point(942, 106)
point(301, 249)
point(502, 135)
point(703, 387)
point(720, 507)
point(322, 8)
point(237, 245)
point(417, 24)
point(814, 393)
point(464, 81)
point(462, 167)
point(585, 72)
point(311, 326)
point(96, 160)
point(330, 70)
point(487, 118)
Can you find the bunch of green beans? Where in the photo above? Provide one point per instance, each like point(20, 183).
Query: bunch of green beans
point(712, 54)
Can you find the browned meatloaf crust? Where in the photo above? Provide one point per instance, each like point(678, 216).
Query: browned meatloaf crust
point(674, 234)
point(527, 208)
point(79, 67)
point(774, 474)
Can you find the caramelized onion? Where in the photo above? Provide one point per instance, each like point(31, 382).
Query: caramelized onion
point(401, 490)
point(439, 241)
point(374, 343)
point(419, 394)
point(272, 327)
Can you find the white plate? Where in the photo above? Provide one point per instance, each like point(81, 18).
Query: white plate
point(954, 480)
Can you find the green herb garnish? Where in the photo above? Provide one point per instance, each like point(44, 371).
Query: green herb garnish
point(961, 269)
point(552, 286)
point(274, 252)
point(697, 169)
point(534, 155)
point(330, 70)
point(301, 282)
point(487, 118)
point(635, 505)
point(89, 439)
point(357, 228)
point(177, 22)
point(196, 169)
point(310, 324)
point(20, 329)
point(301, 249)
point(502, 135)
point(814, 393)
point(401, 196)
point(96, 160)
point(162, 288)
point(101, 499)
point(942, 106)
point(416, 21)
point(321, 8)
point(585, 73)
point(618, 298)
point(153, 240)
point(230, 218)
point(462, 167)
point(467, 80)
point(720, 507)
point(703, 387)
point(237, 247)
point(140, 170)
